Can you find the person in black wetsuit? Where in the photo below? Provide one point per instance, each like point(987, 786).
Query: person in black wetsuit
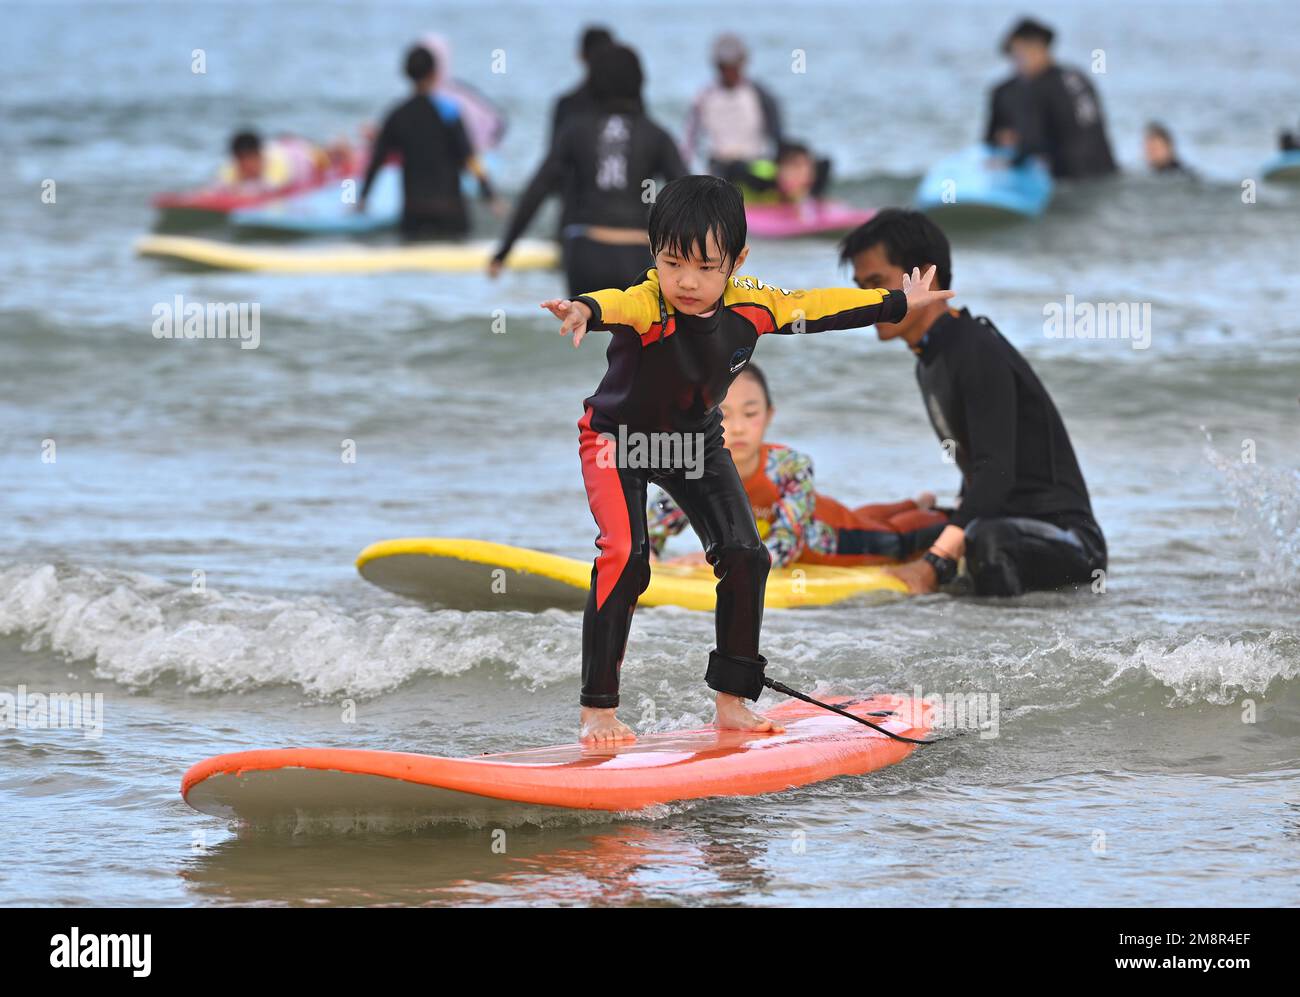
point(603, 160)
point(678, 340)
point(1025, 519)
point(427, 132)
point(580, 100)
point(576, 102)
point(1048, 110)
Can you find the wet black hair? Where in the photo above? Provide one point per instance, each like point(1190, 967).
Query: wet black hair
point(616, 77)
point(1029, 30)
point(756, 372)
point(1160, 131)
point(910, 239)
point(691, 207)
point(788, 149)
point(420, 62)
point(245, 141)
point(594, 39)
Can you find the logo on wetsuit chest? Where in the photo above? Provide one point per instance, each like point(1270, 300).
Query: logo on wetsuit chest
point(739, 359)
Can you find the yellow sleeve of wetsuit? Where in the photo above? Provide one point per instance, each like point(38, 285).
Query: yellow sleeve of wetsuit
point(637, 307)
point(818, 309)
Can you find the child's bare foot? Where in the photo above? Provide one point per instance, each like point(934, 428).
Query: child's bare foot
point(602, 728)
point(733, 714)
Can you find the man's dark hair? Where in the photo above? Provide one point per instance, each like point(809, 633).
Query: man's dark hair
point(1028, 30)
point(245, 142)
point(419, 63)
point(616, 77)
point(689, 208)
point(910, 240)
point(594, 39)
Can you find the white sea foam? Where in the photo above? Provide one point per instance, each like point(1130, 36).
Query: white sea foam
point(138, 630)
point(1209, 669)
point(1266, 501)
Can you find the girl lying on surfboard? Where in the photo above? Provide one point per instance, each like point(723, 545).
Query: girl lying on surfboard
point(796, 523)
point(680, 335)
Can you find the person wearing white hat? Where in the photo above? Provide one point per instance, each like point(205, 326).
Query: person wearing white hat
point(738, 119)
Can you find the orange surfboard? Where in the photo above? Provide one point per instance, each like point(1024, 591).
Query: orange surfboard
point(262, 786)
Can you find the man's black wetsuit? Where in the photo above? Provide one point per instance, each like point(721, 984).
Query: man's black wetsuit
point(430, 137)
point(668, 373)
point(1024, 504)
point(600, 161)
point(1057, 115)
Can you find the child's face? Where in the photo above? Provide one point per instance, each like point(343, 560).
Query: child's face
point(249, 165)
point(693, 285)
point(745, 418)
point(795, 176)
point(1156, 149)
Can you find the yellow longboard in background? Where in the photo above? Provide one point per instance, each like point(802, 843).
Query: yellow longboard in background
point(449, 257)
point(477, 574)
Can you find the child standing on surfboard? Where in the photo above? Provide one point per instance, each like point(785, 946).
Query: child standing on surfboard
point(680, 337)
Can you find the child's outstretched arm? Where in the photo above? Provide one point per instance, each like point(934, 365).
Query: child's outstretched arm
point(823, 309)
point(637, 309)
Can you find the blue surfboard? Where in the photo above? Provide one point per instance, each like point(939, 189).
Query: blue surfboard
point(1283, 166)
point(324, 211)
point(982, 179)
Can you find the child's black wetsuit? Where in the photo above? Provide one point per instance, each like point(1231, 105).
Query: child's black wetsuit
point(668, 373)
point(1024, 505)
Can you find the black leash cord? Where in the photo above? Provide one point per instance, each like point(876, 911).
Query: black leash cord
point(785, 690)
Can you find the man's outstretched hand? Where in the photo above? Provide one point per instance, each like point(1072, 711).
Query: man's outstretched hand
point(917, 288)
point(573, 316)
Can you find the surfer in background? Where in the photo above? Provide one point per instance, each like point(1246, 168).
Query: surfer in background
point(575, 103)
point(1158, 150)
point(602, 159)
point(796, 523)
point(794, 178)
point(484, 121)
point(738, 119)
point(1048, 110)
point(427, 132)
point(679, 338)
point(580, 100)
point(1024, 519)
point(281, 163)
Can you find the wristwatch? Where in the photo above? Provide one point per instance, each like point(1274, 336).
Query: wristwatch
point(945, 568)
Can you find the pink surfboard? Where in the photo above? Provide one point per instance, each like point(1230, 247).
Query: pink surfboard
point(787, 221)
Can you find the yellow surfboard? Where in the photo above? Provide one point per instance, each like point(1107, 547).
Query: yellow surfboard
point(447, 257)
point(477, 574)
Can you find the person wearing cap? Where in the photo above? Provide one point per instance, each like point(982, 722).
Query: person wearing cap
point(1047, 110)
point(738, 119)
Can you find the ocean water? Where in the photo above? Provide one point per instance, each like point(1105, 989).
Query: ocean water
point(188, 554)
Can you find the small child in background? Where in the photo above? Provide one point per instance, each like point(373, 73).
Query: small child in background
point(797, 524)
point(1158, 149)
